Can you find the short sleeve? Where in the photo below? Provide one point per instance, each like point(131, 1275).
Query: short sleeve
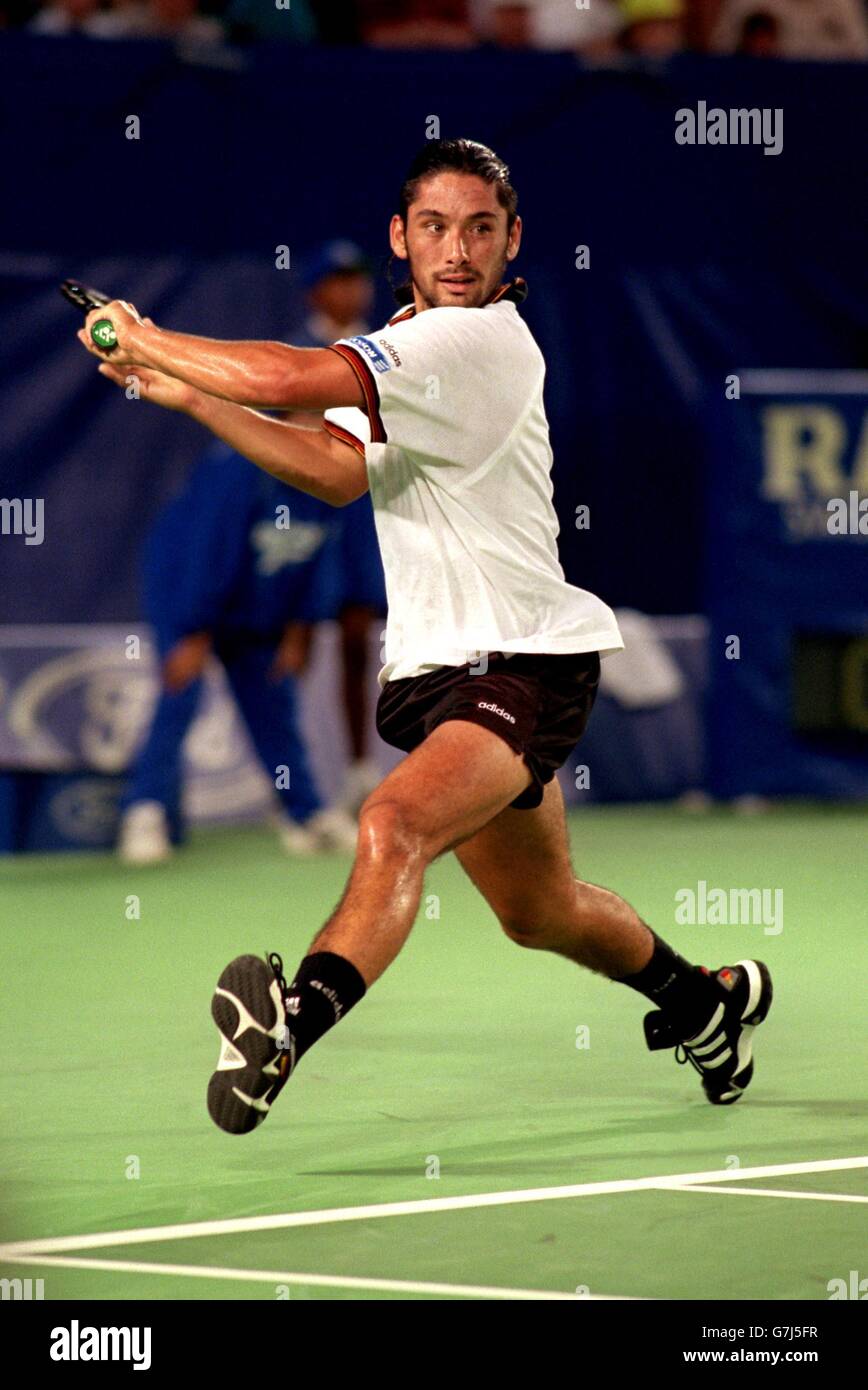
point(440, 384)
point(350, 424)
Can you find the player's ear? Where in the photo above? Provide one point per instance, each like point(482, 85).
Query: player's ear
point(514, 240)
point(397, 237)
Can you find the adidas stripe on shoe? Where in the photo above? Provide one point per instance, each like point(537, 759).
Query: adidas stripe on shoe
point(722, 1051)
point(257, 1051)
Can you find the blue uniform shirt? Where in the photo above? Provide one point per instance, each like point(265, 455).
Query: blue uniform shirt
point(240, 552)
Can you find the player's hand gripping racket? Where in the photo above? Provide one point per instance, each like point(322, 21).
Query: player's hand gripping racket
point(102, 331)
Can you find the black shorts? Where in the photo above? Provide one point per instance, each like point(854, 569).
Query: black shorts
point(539, 705)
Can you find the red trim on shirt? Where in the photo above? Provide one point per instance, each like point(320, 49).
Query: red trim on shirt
point(516, 290)
point(369, 387)
point(340, 433)
point(402, 314)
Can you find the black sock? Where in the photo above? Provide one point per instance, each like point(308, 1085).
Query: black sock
point(683, 991)
point(325, 988)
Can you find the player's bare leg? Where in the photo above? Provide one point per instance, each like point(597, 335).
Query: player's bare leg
point(455, 781)
point(521, 864)
point(454, 792)
point(443, 792)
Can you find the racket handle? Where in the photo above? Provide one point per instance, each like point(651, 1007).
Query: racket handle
point(103, 334)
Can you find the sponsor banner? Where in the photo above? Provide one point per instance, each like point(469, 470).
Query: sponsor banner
point(75, 707)
point(787, 582)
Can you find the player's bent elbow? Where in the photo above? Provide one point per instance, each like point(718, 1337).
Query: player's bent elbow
point(340, 496)
point(347, 466)
point(339, 493)
point(338, 499)
point(351, 493)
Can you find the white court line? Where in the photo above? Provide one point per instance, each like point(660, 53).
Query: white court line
point(324, 1281)
point(284, 1220)
point(771, 1192)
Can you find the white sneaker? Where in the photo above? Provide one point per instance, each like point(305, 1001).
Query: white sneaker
point(296, 838)
point(361, 779)
point(144, 834)
point(333, 829)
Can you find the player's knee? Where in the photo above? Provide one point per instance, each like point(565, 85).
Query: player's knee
point(524, 932)
point(389, 828)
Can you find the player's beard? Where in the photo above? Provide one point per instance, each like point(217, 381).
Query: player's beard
point(482, 291)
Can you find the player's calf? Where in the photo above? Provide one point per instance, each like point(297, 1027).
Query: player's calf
point(709, 1018)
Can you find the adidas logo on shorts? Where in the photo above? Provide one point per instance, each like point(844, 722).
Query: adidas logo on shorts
point(495, 709)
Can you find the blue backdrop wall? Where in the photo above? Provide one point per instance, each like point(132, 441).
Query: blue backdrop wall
point(704, 262)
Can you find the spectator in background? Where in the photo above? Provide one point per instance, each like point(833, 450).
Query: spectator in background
point(760, 36)
point(179, 19)
point(15, 13)
point(805, 28)
point(148, 19)
point(237, 567)
point(507, 23)
point(653, 27)
point(340, 292)
point(416, 23)
point(551, 24)
point(337, 23)
point(261, 19)
point(70, 17)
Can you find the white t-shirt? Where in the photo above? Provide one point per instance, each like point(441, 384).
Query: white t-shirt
point(456, 444)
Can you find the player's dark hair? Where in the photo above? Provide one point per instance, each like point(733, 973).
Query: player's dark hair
point(462, 157)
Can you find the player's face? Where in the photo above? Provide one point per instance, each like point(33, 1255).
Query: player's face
point(456, 241)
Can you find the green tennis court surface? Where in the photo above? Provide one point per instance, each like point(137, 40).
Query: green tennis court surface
point(449, 1139)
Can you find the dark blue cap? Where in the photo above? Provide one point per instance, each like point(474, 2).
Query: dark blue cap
point(334, 258)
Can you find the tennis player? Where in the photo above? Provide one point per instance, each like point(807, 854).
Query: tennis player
point(492, 660)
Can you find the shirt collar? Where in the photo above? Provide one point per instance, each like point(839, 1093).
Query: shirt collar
point(514, 290)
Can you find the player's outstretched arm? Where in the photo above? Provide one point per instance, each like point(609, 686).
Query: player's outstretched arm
point(313, 461)
point(266, 374)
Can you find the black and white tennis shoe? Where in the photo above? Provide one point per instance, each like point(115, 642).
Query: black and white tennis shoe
point(257, 1051)
point(722, 1050)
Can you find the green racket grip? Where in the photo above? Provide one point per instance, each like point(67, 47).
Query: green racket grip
point(103, 334)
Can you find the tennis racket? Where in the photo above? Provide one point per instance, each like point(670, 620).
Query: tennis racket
point(102, 331)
